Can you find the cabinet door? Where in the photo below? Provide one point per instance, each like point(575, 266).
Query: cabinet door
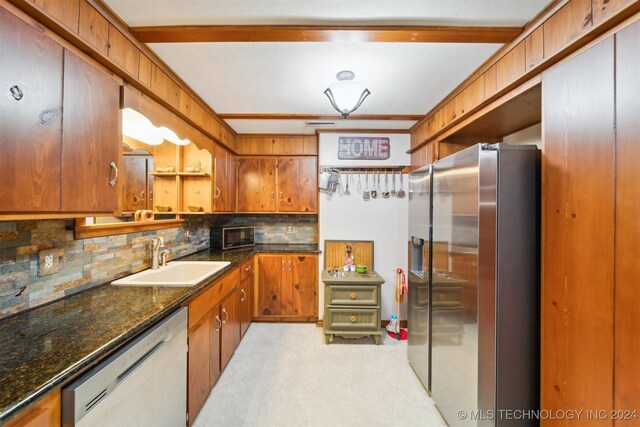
point(30, 117)
point(297, 184)
point(271, 269)
point(246, 296)
point(230, 332)
point(220, 195)
point(135, 183)
point(215, 341)
point(627, 263)
point(578, 220)
point(231, 182)
point(198, 368)
point(256, 185)
point(304, 281)
point(91, 138)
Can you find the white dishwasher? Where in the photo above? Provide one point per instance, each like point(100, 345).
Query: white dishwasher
point(142, 384)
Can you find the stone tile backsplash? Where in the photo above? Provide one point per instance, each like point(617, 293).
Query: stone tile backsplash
point(80, 264)
point(275, 229)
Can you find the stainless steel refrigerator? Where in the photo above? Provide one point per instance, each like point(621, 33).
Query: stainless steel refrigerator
point(481, 314)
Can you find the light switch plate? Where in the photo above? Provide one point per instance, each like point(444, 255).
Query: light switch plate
point(48, 261)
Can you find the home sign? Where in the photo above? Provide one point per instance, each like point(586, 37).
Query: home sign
point(363, 148)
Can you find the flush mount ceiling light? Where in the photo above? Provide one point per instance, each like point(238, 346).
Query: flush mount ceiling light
point(346, 95)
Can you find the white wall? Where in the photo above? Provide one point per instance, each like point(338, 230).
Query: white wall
point(529, 136)
point(385, 221)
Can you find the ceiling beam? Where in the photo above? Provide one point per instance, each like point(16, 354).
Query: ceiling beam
point(296, 33)
point(263, 116)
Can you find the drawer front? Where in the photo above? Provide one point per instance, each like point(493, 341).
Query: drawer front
point(446, 318)
point(353, 319)
point(352, 295)
point(447, 296)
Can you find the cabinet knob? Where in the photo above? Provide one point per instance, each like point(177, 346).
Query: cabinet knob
point(247, 268)
point(353, 319)
point(16, 92)
point(353, 295)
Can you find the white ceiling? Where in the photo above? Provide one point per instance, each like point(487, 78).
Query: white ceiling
point(327, 12)
point(290, 78)
point(298, 126)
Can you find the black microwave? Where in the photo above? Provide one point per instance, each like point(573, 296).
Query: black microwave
point(232, 237)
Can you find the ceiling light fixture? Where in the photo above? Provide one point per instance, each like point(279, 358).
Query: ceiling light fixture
point(346, 95)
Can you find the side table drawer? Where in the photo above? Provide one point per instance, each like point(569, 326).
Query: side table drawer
point(352, 295)
point(353, 319)
point(447, 296)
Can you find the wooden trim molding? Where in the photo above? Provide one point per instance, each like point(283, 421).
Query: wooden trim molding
point(334, 130)
point(336, 117)
point(337, 33)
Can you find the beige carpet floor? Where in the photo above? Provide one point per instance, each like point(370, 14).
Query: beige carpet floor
point(283, 375)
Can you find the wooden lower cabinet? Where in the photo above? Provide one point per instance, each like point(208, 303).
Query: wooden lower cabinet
point(287, 287)
point(246, 294)
point(43, 413)
point(214, 334)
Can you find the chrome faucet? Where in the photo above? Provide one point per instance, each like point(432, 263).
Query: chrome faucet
point(158, 242)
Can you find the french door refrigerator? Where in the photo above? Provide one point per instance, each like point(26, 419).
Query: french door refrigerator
point(483, 351)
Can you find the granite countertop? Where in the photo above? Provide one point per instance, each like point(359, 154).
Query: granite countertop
point(48, 346)
point(352, 278)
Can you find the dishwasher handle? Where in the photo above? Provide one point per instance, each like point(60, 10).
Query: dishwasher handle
point(140, 361)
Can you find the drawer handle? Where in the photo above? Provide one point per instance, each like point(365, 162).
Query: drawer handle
point(353, 318)
point(226, 316)
point(219, 324)
point(243, 295)
point(353, 295)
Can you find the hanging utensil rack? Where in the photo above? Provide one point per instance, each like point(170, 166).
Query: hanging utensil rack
point(363, 169)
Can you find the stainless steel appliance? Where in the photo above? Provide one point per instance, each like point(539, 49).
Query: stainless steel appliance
point(419, 277)
point(143, 384)
point(484, 285)
point(232, 237)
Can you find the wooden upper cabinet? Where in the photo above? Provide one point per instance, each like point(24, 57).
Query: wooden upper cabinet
point(510, 66)
point(627, 232)
point(186, 104)
point(292, 145)
point(578, 233)
point(123, 52)
point(602, 9)
point(471, 96)
point(93, 28)
point(64, 11)
point(297, 184)
point(145, 70)
point(490, 88)
point(135, 178)
point(224, 196)
point(91, 138)
point(566, 24)
point(534, 48)
point(160, 83)
point(310, 145)
point(30, 117)
point(256, 184)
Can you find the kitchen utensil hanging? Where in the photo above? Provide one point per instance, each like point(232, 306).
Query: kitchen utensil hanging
point(365, 193)
point(385, 193)
point(374, 192)
point(393, 183)
point(400, 194)
point(346, 188)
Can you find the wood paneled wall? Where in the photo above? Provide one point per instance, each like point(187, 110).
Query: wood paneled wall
point(591, 229)
point(561, 29)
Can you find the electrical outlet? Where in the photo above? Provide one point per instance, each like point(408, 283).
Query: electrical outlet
point(48, 261)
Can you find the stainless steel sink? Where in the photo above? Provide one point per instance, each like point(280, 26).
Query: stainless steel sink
point(176, 273)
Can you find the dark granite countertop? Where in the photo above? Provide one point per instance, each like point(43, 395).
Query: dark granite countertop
point(48, 346)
